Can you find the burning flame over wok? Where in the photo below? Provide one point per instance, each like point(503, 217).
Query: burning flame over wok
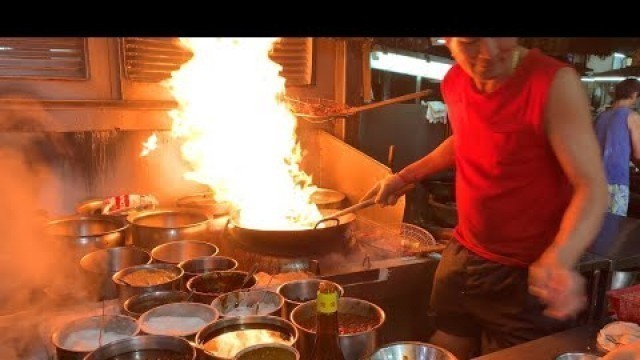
point(238, 136)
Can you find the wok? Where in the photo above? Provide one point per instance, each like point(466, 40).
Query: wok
point(292, 243)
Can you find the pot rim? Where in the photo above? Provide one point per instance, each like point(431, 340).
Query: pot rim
point(190, 290)
point(143, 320)
point(104, 218)
point(132, 218)
point(107, 250)
point(420, 343)
point(116, 277)
point(234, 261)
point(281, 299)
point(293, 282)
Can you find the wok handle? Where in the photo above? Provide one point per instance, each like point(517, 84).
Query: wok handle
point(364, 204)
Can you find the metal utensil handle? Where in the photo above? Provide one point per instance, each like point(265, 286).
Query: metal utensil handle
point(389, 101)
point(250, 274)
point(366, 203)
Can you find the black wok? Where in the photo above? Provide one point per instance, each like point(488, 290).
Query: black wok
point(295, 243)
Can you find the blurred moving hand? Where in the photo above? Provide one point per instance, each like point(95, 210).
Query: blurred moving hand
point(387, 191)
point(625, 352)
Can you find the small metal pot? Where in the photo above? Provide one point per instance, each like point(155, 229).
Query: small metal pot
point(176, 252)
point(152, 228)
point(203, 312)
point(146, 347)
point(232, 324)
point(411, 350)
point(125, 290)
point(297, 292)
point(79, 235)
point(229, 304)
point(207, 287)
point(204, 264)
point(577, 356)
point(205, 203)
point(100, 266)
point(353, 346)
point(268, 351)
point(140, 304)
point(73, 332)
point(328, 199)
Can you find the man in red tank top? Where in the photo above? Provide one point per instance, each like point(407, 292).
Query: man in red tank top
point(530, 192)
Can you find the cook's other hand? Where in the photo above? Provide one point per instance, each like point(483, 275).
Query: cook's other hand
point(625, 352)
point(387, 190)
point(558, 286)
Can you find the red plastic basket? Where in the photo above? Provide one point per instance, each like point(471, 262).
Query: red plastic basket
point(626, 303)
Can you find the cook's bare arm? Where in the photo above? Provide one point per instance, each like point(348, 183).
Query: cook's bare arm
point(441, 158)
point(553, 277)
point(633, 122)
point(570, 132)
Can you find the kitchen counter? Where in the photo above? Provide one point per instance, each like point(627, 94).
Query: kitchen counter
point(580, 339)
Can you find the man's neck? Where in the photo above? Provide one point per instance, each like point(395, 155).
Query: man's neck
point(624, 103)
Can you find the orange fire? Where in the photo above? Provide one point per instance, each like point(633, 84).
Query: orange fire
point(238, 136)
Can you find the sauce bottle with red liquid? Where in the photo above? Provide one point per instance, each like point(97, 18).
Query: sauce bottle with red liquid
point(327, 344)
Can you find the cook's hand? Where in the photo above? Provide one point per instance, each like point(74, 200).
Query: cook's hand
point(625, 352)
point(560, 287)
point(385, 191)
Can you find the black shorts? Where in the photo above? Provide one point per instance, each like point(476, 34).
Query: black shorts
point(475, 297)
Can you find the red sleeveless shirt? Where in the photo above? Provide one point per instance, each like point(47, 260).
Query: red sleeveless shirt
point(511, 192)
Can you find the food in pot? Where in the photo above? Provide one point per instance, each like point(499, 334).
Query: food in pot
point(268, 353)
point(219, 284)
point(250, 309)
point(89, 339)
point(152, 355)
point(174, 325)
point(227, 345)
point(347, 323)
point(148, 277)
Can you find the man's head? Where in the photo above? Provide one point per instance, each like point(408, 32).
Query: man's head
point(627, 89)
point(484, 59)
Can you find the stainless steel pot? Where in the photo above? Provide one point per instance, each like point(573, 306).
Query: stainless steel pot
point(227, 325)
point(411, 350)
point(205, 313)
point(207, 287)
point(156, 227)
point(297, 292)
point(146, 347)
point(205, 264)
point(74, 340)
point(99, 267)
point(176, 252)
point(243, 302)
point(328, 199)
point(205, 202)
point(126, 291)
point(140, 304)
point(79, 235)
point(354, 346)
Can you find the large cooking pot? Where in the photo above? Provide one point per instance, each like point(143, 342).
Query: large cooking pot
point(330, 235)
point(80, 235)
point(152, 228)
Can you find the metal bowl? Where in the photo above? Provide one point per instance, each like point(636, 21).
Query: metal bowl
point(152, 228)
point(268, 351)
point(100, 266)
point(242, 303)
point(204, 264)
point(234, 324)
point(353, 345)
point(140, 304)
point(577, 356)
point(176, 252)
point(127, 290)
point(77, 338)
point(202, 314)
point(80, 235)
point(411, 350)
point(146, 347)
point(207, 287)
point(297, 292)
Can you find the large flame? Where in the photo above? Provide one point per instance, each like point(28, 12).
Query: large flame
point(239, 137)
